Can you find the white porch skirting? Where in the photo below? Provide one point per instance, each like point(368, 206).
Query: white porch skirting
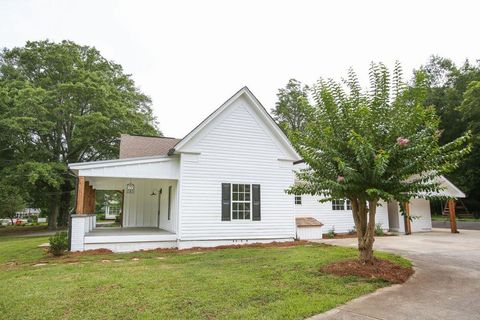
point(86, 237)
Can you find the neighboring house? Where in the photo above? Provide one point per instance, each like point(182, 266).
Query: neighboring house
point(27, 213)
point(223, 183)
point(112, 205)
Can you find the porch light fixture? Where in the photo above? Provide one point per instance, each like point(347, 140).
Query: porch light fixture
point(130, 187)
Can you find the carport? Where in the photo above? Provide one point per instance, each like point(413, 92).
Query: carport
point(418, 216)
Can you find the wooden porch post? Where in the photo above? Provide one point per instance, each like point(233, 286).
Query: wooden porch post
point(80, 196)
point(408, 223)
point(453, 220)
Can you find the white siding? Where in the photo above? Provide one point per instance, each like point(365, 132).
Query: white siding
point(141, 208)
point(309, 233)
point(419, 211)
point(341, 220)
point(237, 148)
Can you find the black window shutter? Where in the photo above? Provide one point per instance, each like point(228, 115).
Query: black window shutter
point(226, 202)
point(256, 202)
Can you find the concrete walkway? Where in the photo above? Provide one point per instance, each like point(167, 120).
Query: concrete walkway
point(446, 284)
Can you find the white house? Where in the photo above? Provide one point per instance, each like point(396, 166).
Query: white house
point(223, 183)
point(336, 215)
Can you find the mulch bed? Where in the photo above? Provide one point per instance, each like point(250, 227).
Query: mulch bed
point(380, 269)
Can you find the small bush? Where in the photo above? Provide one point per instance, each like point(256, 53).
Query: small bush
point(379, 230)
point(353, 231)
point(331, 233)
point(58, 243)
point(101, 216)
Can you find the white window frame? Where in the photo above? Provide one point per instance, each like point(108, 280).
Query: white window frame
point(240, 201)
point(298, 197)
point(347, 205)
point(338, 203)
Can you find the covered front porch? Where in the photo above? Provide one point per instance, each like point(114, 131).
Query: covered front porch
point(149, 205)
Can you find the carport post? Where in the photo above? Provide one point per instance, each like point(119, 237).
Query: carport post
point(453, 220)
point(408, 223)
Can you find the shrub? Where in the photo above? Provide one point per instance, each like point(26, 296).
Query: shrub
point(331, 233)
point(379, 230)
point(58, 243)
point(353, 230)
point(101, 216)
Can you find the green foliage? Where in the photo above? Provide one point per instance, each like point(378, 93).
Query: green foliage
point(367, 146)
point(10, 201)
point(453, 91)
point(379, 230)
point(353, 230)
point(58, 243)
point(290, 110)
point(331, 233)
point(62, 103)
point(378, 144)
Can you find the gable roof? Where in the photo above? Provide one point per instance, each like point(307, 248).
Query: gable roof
point(133, 146)
point(262, 112)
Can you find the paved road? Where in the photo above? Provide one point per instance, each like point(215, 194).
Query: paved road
point(468, 225)
point(446, 284)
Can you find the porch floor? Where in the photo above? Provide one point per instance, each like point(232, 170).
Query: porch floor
point(133, 231)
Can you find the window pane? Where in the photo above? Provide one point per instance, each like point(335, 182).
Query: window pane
point(241, 188)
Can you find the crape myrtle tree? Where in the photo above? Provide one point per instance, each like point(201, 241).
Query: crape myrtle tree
point(367, 146)
point(62, 103)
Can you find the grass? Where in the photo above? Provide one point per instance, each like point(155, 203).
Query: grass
point(22, 229)
point(447, 218)
point(245, 283)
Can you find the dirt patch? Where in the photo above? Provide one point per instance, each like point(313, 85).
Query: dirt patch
point(198, 250)
point(95, 252)
point(380, 269)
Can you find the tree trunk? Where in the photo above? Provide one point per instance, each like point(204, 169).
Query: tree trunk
point(53, 216)
point(65, 199)
point(365, 224)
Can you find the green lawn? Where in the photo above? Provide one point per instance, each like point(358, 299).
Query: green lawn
point(447, 218)
point(23, 230)
point(246, 283)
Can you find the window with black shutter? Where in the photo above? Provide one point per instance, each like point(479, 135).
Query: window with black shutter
point(240, 201)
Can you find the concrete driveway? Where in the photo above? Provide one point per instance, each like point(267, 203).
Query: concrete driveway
point(446, 284)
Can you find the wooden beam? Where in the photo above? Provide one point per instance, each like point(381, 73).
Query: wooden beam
point(80, 196)
point(408, 223)
point(453, 220)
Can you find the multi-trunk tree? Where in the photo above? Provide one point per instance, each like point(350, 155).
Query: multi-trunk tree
point(373, 145)
point(62, 103)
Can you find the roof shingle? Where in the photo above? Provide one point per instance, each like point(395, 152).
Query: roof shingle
point(143, 146)
point(307, 222)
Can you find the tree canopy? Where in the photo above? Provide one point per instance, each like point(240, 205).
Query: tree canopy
point(367, 146)
point(453, 91)
point(62, 103)
point(292, 104)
